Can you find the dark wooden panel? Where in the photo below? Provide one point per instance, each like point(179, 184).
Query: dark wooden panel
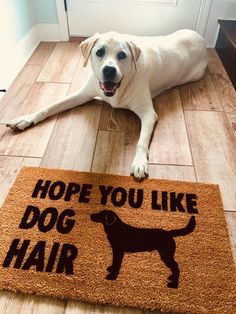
point(226, 47)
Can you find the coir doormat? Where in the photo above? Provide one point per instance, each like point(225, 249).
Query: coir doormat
point(160, 245)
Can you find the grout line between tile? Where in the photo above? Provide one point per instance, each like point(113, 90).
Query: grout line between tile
point(189, 141)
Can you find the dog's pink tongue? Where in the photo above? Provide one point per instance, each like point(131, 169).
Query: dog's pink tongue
point(109, 86)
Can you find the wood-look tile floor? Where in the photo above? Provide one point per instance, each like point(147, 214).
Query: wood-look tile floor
point(194, 140)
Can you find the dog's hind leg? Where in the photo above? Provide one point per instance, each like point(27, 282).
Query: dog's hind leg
point(114, 269)
point(168, 259)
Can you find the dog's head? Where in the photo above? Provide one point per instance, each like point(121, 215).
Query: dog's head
point(106, 217)
point(112, 59)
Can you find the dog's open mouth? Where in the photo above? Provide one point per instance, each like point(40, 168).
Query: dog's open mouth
point(109, 88)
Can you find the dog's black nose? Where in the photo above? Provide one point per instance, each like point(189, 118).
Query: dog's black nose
point(109, 72)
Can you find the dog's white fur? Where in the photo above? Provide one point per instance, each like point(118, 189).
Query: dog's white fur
point(151, 65)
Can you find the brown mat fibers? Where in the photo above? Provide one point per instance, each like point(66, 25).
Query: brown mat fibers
point(60, 231)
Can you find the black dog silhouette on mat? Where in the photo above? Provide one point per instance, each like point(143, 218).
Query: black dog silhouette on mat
point(125, 238)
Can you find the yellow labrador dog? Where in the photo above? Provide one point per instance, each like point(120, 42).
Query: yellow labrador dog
point(128, 72)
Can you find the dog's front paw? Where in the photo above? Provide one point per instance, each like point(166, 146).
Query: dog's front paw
point(111, 276)
point(173, 281)
point(110, 268)
point(173, 284)
point(140, 167)
point(21, 123)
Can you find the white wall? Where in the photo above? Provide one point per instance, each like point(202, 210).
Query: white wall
point(23, 24)
point(220, 9)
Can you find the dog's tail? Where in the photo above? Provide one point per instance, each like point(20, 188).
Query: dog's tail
point(186, 230)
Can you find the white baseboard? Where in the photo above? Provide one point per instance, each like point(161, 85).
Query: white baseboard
point(14, 57)
point(48, 32)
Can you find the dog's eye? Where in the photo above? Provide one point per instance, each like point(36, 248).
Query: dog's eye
point(121, 55)
point(100, 52)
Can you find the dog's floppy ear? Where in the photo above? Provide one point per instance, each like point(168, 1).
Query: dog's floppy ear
point(135, 51)
point(86, 46)
point(110, 218)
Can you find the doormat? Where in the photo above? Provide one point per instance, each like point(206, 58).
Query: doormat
point(154, 245)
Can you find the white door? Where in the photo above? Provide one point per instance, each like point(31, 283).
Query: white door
point(138, 17)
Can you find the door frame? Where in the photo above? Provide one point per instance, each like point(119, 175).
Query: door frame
point(64, 26)
point(203, 16)
point(62, 20)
